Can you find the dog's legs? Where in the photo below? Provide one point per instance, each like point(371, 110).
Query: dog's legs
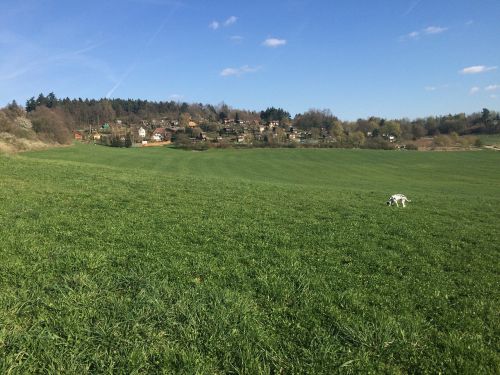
point(403, 201)
point(397, 203)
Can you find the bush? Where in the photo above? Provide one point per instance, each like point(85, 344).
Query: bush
point(442, 141)
point(6, 125)
point(412, 147)
point(379, 144)
point(51, 125)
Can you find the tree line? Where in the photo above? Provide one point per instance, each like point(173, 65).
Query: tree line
point(54, 118)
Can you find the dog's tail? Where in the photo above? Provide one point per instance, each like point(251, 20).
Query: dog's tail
point(408, 200)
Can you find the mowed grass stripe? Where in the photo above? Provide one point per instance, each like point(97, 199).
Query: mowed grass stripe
point(190, 264)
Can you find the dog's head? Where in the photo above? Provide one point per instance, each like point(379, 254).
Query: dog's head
point(390, 201)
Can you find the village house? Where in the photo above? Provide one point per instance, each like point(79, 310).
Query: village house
point(142, 132)
point(161, 135)
point(77, 135)
point(389, 137)
point(157, 137)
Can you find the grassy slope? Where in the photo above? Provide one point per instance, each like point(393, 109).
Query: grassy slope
point(248, 261)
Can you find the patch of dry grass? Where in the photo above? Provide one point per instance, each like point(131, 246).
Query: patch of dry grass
point(10, 144)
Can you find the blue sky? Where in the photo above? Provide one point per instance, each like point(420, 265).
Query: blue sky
point(404, 58)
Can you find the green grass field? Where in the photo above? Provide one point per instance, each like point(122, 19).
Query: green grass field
point(249, 261)
point(490, 139)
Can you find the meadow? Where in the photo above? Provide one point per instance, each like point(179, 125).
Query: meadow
point(490, 139)
point(281, 261)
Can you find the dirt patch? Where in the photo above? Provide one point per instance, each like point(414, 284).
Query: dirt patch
point(156, 144)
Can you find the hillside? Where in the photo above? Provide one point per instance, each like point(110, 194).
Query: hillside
point(249, 261)
point(20, 131)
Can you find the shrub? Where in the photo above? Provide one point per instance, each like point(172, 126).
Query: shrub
point(50, 125)
point(442, 141)
point(379, 144)
point(412, 147)
point(467, 141)
point(6, 124)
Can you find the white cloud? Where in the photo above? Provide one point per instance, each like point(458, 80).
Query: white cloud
point(230, 20)
point(477, 69)
point(430, 30)
point(176, 97)
point(474, 90)
point(214, 25)
point(492, 87)
point(470, 22)
point(228, 72)
point(434, 30)
point(274, 42)
point(493, 96)
point(430, 88)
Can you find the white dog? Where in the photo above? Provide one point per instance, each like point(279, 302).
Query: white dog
point(397, 198)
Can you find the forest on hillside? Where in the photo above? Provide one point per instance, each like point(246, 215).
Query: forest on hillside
point(52, 119)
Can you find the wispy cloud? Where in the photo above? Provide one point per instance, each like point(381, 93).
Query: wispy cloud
point(134, 64)
point(214, 25)
point(434, 30)
point(436, 88)
point(474, 90)
point(36, 64)
point(492, 87)
point(469, 23)
point(412, 6)
point(477, 69)
point(274, 42)
point(176, 97)
point(430, 30)
point(493, 96)
point(228, 72)
point(413, 35)
point(236, 38)
point(231, 20)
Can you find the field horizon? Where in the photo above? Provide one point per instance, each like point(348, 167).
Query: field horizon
point(249, 261)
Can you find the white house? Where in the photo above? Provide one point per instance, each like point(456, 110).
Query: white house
point(142, 132)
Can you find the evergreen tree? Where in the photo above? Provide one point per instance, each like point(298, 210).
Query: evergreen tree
point(30, 104)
